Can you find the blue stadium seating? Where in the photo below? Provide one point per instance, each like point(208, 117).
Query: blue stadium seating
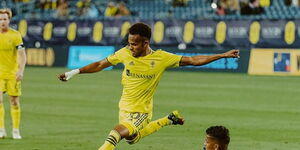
point(157, 9)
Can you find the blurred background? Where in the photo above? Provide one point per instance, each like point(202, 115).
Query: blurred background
point(261, 110)
point(266, 29)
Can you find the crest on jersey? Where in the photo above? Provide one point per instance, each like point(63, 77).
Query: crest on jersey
point(152, 64)
point(131, 63)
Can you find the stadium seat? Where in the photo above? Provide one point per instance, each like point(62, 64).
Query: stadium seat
point(147, 9)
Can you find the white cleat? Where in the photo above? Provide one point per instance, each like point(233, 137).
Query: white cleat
point(2, 133)
point(16, 134)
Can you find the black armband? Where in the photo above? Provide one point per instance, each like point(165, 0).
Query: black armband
point(20, 47)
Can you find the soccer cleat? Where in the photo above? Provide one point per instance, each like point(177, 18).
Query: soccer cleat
point(176, 118)
point(16, 134)
point(2, 133)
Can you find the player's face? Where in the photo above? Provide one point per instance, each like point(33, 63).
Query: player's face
point(4, 21)
point(210, 144)
point(137, 45)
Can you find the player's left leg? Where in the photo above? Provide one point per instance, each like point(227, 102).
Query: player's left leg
point(173, 118)
point(15, 116)
point(14, 91)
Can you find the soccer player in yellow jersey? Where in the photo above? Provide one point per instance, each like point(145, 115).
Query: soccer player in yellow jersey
point(143, 68)
point(12, 64)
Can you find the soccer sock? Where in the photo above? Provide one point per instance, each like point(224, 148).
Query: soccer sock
point(15, 116)
point(154, 126)
point(2, 112)
point(111, 141)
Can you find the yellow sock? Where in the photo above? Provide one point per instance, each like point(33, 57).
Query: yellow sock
point(154, 126)
point(16, 116)
point(111, 141)
point(2, 112)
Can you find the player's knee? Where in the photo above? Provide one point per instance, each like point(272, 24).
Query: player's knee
point(133, 138)
point(129, 127)
point(14, 100)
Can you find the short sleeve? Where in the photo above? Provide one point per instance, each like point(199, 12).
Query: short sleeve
point(115, 58)
point(171, 60)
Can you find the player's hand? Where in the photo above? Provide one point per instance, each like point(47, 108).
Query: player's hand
point(19, 75)
point(68, 75)
point(62, 77)
point(235, 53)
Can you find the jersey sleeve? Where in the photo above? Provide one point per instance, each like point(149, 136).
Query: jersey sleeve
point(19, 42)
point(171, 60)
point(115, 58)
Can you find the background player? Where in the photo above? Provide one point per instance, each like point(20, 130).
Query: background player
point(143, 70)
point(12, 65)
point(217, 138)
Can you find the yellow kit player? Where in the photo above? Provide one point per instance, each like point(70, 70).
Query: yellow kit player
point(143, 69)
point(12, 64)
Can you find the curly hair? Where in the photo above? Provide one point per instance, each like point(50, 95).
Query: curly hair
point(220, 133)
point(141, 29)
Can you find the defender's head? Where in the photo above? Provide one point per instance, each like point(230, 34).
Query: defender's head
point(139, 39)
point(217, 138)
point(5, 16)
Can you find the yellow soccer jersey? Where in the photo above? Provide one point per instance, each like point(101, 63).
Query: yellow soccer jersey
point(141, 76)
point(10, 42)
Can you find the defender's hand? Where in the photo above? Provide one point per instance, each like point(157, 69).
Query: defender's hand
point(235, 53)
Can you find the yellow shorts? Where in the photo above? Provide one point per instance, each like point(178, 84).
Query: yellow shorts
point(134, 121)
point(11, 86)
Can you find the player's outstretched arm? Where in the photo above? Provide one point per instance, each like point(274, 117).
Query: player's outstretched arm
point(202, 60)
point(91, 68)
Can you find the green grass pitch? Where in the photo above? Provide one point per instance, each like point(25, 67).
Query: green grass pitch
point(262, 112)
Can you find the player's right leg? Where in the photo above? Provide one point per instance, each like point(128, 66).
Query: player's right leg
point(2, 112)
point(114, 137)
point(128, 128)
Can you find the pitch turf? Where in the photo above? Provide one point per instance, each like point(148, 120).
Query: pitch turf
point(262, 112)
